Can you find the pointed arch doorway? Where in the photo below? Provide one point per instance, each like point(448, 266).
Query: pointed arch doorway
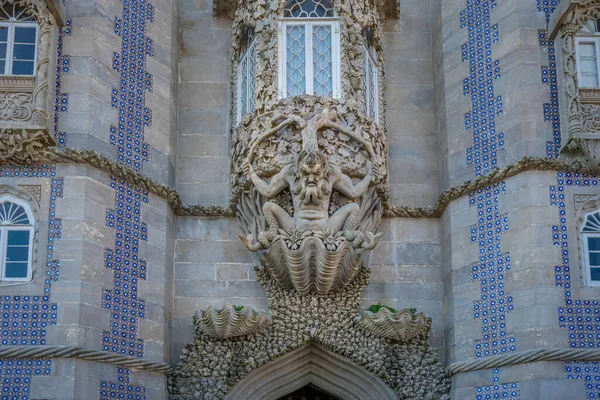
point(311, 366)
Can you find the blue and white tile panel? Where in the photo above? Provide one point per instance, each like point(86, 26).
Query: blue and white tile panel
point(129, 99)
point(25, 319)
point(489, 271)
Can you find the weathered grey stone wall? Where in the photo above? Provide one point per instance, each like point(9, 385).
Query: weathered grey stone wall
point(203, 135)
point(410, 115)
point(92, 111)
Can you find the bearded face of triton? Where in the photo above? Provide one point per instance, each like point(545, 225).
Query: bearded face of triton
point(312, 168)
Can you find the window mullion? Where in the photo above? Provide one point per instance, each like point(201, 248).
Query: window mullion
point(282, 57)
point(335, 59)
point(9, 49)
point(3, 233)
point(309, 58)
point(597, 46)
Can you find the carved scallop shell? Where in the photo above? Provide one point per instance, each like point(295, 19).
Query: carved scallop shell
point(229, 322)
point(400, 326)
point(305, 264)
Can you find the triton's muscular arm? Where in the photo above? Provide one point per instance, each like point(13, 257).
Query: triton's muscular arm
point(344, 184)
point(273, 188)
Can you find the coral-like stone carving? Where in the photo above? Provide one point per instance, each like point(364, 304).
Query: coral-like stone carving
point(210, 368)
point(230, 321)
point(590, 148)
point(23, 146)
point(401, 326)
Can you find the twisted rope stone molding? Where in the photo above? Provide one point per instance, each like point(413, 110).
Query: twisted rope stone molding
point(105, 357)
point(109, 166)
point(524, 357)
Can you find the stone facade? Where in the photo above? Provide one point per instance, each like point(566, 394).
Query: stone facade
point(135, 182)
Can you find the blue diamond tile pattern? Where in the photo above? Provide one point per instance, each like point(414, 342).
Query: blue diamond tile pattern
point(129, 99)
point(479, 86)
point(24, 319)
point(61, 103)
point(489, 271)
point(581, 318)
point(507, 391)
point(551, 109)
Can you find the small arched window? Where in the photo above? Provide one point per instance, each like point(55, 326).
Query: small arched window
point(246, 78)
point(588, 55)
point(18, 40)
point(309, 49)
point(590, 238)
point(16, 239)
point(371, 77)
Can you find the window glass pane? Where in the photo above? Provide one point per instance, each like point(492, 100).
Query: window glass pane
point(24, 52)
point(308, 9)
point(18, 238)
point(25, 35)
point(17, 253)
point(322, 61)
point(593, 244)
point(588, 65)
point(595, 274)
point(252, 78)
point(2, 66)
point(243, 77)
point(22, 68)
point(13, 214)
point(587, 49)
point(3, 33)
point(16, 270)
point(594, 259)
point(3, 50)
point(296, 63)
point(589, 81)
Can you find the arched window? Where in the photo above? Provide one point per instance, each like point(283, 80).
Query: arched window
point(371, 77)
point(18, 40)
point(590, 238)
point(246, 78)
point(309, 49)
point(16, 239)
point(588, 55)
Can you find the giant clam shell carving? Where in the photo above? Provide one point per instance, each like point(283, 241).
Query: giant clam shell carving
point(229, 322)
point(305, 264)
point(400, 326)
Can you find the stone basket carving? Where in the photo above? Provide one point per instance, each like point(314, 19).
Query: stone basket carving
point(229, 322)
point(311, 262)
point(401, 326)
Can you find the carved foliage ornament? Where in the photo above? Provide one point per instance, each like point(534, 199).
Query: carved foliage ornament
point(23, 146)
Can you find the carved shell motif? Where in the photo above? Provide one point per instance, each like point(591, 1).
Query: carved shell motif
point(400, 326)
point(305, 264)
point(229, 322)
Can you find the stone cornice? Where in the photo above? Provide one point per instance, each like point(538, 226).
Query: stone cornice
point(109, 166)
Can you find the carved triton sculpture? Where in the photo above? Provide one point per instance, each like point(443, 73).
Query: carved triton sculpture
point(311, 180)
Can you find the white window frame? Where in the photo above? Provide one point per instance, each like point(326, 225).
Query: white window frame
point(247, 94)
point(10, 44)
point(4, 229)
point(589, 40)
point(586, 259)
point(371, 66)
point(308, 24)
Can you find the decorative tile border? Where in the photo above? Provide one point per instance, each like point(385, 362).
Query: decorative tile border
point(122, 300)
